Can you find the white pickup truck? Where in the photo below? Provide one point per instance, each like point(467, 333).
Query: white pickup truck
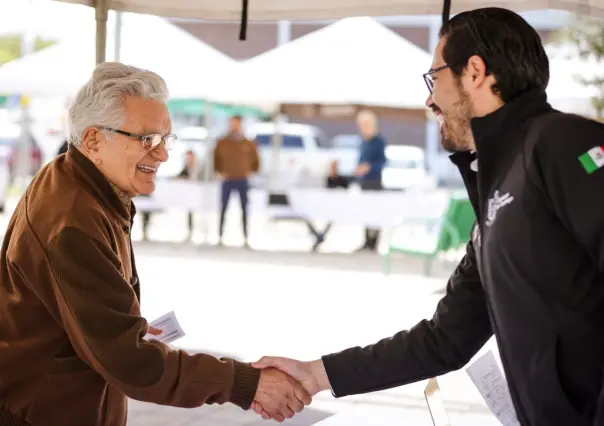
point(304, 155)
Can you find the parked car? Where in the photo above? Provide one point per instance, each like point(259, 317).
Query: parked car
point(304, 155)
point(406, 168)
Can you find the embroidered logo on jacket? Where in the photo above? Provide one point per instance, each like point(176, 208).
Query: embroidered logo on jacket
point(495, 203)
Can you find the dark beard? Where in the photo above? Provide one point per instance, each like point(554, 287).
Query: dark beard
point(457, 136)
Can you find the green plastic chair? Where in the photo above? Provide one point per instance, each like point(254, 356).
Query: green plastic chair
point(454, 229)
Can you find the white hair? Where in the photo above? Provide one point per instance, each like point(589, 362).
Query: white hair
point(100, 101)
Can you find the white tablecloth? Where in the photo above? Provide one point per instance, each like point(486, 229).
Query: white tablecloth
point(197, 196)
point(369, 208)
point(399, 416)
point(368, 417)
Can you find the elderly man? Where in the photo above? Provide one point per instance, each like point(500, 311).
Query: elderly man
point(372, 160)
point(72, 344)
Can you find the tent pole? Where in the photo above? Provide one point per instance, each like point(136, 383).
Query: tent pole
point(118, 36)
point(446, 11)
point(101, 12)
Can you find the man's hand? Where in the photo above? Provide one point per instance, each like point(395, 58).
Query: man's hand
point(310, 374)
point(279, 396)
point(362, 169)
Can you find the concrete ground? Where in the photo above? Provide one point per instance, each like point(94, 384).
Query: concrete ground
point(246, 304)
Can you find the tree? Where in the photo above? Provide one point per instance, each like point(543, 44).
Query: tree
point(10, 47)
point(587, 35)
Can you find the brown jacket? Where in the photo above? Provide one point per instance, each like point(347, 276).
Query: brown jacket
point(71, 339)
point(236, 159)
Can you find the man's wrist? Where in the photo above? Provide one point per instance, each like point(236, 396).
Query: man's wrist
point(318, 372)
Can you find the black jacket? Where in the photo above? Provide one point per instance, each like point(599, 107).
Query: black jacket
point(533, 274)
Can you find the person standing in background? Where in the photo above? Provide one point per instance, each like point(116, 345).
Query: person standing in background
point(235, 159)
point(188, 173)
point(372, 160)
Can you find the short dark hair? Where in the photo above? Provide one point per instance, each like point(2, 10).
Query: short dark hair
point(236, 117)
point(510, 48)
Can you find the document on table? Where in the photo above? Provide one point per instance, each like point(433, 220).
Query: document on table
point(171, 329)
point(493, 386)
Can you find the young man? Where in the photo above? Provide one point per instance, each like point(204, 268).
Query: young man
point(533, 274)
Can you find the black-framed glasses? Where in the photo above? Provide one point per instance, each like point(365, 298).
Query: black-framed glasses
point(150, 142)
point(428, 76)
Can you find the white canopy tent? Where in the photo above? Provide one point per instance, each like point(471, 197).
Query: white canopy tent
point(147, 41)
point(331, 9)
point(313, 9)
point(355, 61)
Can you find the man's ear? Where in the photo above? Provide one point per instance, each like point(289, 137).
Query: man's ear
point(91, 140)
point(476, 71)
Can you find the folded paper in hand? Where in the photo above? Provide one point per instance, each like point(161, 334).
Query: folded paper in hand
point(493, 386)
point(171, 329)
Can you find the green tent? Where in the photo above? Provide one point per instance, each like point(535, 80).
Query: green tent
point(198, 107)
point(3, 101)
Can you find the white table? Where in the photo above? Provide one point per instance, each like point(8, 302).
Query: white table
point(380, 209)
point(196, 196)
point(375, 416)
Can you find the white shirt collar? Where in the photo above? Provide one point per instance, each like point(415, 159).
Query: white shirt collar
point(474, 164)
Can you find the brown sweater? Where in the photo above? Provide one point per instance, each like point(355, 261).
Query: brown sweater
point(71, 339)
point(236, 159)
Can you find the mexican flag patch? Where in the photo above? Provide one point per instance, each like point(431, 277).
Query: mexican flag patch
point(593, 159)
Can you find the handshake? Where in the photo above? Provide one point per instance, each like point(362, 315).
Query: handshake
point(286, 386)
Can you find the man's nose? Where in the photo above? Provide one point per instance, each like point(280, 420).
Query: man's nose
point(161, 153)
point(429, 101)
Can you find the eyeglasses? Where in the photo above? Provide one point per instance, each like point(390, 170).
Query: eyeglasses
point(428, 76)
point(150, 142)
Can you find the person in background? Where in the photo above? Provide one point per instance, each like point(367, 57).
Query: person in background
point(187, 171)
point(235, 160)
point(372, 160)
point(73, 344)
point(334, 180)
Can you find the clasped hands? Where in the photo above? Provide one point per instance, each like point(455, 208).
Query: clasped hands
point(286, 386)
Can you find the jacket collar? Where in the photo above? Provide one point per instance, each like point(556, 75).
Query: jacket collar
point(489, 131)
point(98, 183)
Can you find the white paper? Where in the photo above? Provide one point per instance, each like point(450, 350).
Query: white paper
point(171, 329)
point(493, 386)
point(436, 404)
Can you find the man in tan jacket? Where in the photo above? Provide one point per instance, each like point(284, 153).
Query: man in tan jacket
point(235, 160)
point(72, 345)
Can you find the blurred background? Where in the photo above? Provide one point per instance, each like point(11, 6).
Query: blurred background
point(298, 87)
